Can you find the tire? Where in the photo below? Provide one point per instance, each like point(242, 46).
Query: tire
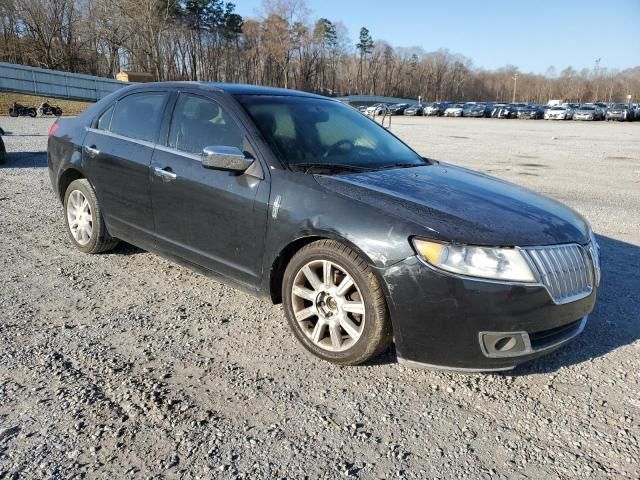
point(97, 240)
point(13, 112)
point(57, 112)
point(318, 323)
point(32, 112)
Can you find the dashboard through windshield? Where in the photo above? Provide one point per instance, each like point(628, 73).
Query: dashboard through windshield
point(306, 131)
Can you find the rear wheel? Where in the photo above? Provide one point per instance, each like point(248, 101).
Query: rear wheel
point(84, 220)
point(32, 112)
point(335, 305)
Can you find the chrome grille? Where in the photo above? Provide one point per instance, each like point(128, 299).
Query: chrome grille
point(566, 270)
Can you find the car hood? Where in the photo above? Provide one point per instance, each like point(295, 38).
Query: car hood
point(455, 204)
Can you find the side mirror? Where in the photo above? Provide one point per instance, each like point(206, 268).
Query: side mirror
point(225, 158)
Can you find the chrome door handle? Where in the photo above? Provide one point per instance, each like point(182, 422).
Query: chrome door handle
point(92, 151)
point(165, 175)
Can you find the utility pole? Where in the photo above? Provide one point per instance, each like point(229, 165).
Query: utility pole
point(515, 82)
point(596, 76)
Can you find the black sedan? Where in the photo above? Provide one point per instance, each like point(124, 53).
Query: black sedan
point(504, 111)
point(303, 200)
point(474, 110)
point(416, 110)
point(398, 108)
point(530, 112)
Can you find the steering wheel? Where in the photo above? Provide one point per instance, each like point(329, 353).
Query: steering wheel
point(339, 146)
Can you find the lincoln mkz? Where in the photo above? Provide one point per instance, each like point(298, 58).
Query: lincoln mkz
point(304, 200)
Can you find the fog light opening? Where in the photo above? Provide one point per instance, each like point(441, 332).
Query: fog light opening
point(505, 344)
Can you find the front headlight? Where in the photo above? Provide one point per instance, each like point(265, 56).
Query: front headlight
point(507, 264)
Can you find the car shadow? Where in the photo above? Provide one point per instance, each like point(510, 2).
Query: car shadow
point(24, 160)
point(124, 248)
point(615, 320)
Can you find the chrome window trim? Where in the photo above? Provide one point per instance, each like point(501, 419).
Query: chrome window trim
point(144, 143)
point(182, 153)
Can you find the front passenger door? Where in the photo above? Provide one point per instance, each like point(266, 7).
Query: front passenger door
point(208, 217)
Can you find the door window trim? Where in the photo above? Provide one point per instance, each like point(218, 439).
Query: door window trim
point(144, 143)
point(167, 101)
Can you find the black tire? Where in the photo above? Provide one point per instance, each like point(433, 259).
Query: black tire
point(32, 112)
point(100, 241)
point(376, 333)
point(57, 112)
point(13, 112)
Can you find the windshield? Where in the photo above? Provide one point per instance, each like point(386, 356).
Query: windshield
point(587, 108)
point(304, 131)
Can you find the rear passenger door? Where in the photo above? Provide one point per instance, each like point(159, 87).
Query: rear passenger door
point(116, 156)
point(209, 217)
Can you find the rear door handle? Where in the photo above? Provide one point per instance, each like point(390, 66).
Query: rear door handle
point(164, 173)
point(92, 151)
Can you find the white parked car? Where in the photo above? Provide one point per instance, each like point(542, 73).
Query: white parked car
point(454, 110)
point(558, 112)
point(377, 109)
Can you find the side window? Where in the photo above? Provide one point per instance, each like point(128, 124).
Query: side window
point(139, 115)
point(104, 122)
point(199, 122)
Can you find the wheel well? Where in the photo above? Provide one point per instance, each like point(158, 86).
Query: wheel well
point(67, 177)
point(280, 264)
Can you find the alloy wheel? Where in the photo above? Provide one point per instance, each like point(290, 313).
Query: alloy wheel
point(328, 305)
point(79, 217)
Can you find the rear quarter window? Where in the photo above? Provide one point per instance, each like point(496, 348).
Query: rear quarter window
point(139, 115)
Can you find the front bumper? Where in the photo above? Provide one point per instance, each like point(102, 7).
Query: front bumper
point(442, 321)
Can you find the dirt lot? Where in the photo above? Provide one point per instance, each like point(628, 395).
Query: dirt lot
point(124, 365)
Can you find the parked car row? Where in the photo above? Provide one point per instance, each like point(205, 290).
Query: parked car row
point(45, 108)
point(566, 111)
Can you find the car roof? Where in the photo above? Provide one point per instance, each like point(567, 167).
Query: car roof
point(232, 88)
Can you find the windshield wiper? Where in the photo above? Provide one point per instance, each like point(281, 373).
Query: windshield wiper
point(402, 165)
point(331, 167)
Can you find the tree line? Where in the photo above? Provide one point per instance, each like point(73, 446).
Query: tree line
point(284, 46)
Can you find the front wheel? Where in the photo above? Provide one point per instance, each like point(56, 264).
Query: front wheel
point(13, 112)
point(85, 224)
point(335, 305)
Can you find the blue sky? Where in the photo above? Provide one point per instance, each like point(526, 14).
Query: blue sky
point(532, 35)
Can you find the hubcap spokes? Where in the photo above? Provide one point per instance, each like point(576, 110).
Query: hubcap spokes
point(328, 305)
point(79, 217)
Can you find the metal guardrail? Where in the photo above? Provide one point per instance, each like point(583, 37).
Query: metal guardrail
point(55, 84)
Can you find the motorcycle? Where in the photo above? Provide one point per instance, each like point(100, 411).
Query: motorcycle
point(18, 110)
point(46, 108)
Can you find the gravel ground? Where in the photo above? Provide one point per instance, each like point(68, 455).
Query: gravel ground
point(125, 365)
